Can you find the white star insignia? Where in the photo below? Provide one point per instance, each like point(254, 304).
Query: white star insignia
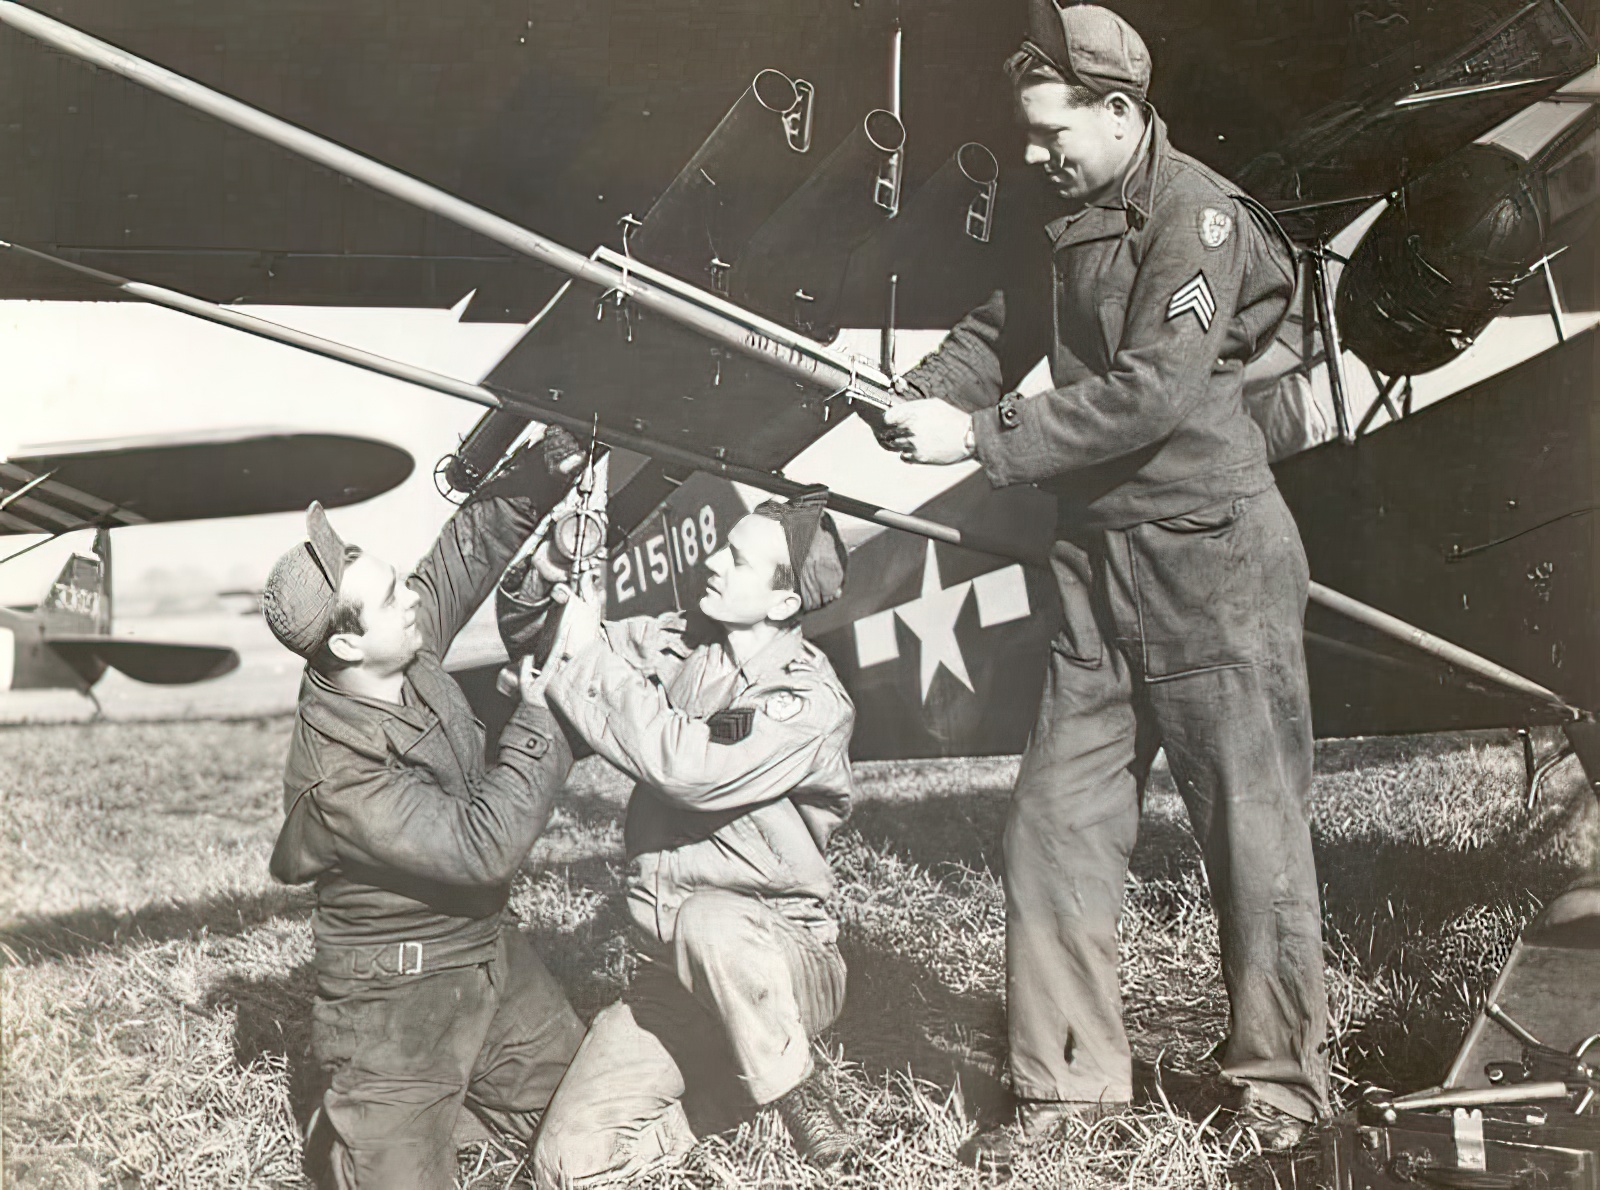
point(933, 620)
point(1001, 597)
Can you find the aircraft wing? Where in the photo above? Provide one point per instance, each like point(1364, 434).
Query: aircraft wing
point(157, 662)
point(136, 481)
point(569, 122)
point(1396, 124)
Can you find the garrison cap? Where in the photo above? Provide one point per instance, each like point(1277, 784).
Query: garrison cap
point(1087, 44)
point(303, 588)
point(817, 553)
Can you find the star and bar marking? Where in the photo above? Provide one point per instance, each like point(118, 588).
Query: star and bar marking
point(1002, 597)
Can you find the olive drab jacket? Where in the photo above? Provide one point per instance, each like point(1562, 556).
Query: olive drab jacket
point(743, 771)
point(411, 838)
point(1156, 300)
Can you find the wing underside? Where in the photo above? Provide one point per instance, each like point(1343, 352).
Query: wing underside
point(157, 662)
point(144, 481)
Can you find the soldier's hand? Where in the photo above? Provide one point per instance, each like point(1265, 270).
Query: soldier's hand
point(929, 431)
point(890, 437)
point(580, 620)
point(563, 454)
point(549, 565)
point(541, 471)
point(531, 683)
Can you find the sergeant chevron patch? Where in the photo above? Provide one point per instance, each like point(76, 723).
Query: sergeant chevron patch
point(1193, 297)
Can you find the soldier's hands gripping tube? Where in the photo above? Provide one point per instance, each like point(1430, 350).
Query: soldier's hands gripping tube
point(931, 431)
point(529, 598)
point(521, 680)
point(571, 623)
point(526, 681)
point(890, 437)
point(541, 471)
point(523, 598)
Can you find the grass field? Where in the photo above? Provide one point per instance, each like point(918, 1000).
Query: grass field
point(156, 983)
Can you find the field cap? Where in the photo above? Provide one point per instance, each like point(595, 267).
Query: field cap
point(817, 553)
point(1089, 45)
point(300, 593)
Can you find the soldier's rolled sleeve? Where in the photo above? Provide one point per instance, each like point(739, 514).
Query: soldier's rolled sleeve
point(627, 718)
point(1163, 363)
point(396, 817)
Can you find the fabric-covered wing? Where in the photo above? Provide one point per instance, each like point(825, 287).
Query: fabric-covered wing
point(136, 481)
point(1393, 129)
point(157, 662)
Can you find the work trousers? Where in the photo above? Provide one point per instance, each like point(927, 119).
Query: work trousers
point(1184, 634)
point(404, 1052)
point(718, 1026)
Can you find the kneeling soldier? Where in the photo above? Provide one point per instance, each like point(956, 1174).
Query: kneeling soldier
point(738, 733)
point(423, 1001)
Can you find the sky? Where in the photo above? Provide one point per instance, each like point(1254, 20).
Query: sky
point(90, 370)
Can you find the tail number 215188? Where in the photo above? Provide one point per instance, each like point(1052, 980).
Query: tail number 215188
point(666, 556)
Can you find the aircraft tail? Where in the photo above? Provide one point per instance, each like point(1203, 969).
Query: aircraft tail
point(79, 601)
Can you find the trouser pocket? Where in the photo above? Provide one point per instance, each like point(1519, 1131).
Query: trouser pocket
point(1079, 639)
point(1197, 580)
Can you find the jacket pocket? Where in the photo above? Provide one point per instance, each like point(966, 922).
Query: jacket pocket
point(1197, 580)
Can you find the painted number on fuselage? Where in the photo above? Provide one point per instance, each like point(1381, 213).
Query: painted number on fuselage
point(654, 561)
point(77, 600)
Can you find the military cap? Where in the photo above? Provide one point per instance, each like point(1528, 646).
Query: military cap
point(301, 592)
point(817, 553)
point(1086, 44)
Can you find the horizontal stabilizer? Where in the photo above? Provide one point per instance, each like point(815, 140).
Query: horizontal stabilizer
point(159, 663)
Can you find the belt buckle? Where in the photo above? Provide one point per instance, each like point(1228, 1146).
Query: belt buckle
point(414, 968)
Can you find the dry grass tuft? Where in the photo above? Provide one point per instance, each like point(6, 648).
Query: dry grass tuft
point(156, 987)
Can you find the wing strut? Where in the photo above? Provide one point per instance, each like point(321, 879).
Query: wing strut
point(703, 312)
point(1321, 293)
point(517, 402)
point(1353, 609)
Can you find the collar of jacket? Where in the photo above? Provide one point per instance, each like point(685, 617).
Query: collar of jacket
point(1130, 210)
point(773, 657)
point(367, 725)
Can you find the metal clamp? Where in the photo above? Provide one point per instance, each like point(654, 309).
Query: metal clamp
point(797, 120)
point(886, 187)
point(410, 948)
point(979, 166)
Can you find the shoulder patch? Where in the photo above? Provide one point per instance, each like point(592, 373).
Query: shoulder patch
point(1215, 227)
point(783, 705)
point(1193, 297)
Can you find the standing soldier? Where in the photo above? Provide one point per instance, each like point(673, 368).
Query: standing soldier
point(423, 1000)
point(1182, 582)
point(737, 733)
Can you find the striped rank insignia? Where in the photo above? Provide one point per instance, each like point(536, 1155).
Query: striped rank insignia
point(732, 725)
point(1193, 297)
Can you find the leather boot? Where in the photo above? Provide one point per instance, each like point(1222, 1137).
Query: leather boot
point(1273, 1128)
point(993, 1150)
point(815, 1123)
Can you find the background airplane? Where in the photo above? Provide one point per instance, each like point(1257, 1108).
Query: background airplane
point(67, 640)
point(1319, 109)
